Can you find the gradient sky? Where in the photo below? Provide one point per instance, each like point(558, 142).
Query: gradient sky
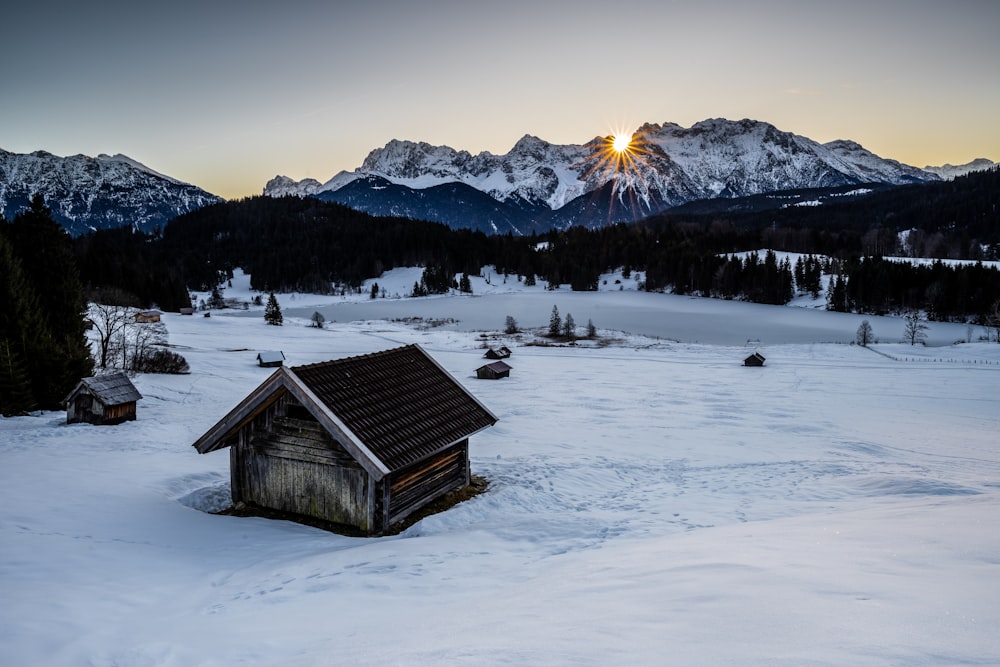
point(228, 94)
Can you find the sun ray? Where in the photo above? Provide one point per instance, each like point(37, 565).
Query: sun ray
point(621, 158)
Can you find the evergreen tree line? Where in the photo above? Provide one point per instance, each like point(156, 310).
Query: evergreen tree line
point(302, 244)
point(945, 292)
point(43, 346)
point(133, 263)
point(957, 219)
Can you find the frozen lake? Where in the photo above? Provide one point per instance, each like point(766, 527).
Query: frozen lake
point(681, 318)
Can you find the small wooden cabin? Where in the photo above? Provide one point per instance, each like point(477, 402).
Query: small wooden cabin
point(363, 441)
point(186, 310)
point(271, 359)
point(147, 316)
point(493, 371)
point(501, 352)
point(103, 399)
point(755, 359)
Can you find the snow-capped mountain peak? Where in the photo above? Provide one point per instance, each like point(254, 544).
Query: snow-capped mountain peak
point(668, 165)
point(86, 193)
point(949, 172)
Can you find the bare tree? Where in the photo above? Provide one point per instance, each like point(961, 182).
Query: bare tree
point(138, 340)
point(914, 329)
point(993, 319)
point(864, 336)
point(569, 326)
point(111, 312)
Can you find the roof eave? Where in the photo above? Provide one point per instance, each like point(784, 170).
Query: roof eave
point(217, 436)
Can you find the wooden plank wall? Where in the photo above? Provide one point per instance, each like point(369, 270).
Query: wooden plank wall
point(419, 484)
point(297, 467)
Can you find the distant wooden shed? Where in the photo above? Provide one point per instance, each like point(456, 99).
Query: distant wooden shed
point(186, 310)
point(501, 352)
point(755, 359)
point(363, 441)
point(148, 316)
point(493, 371)
point(271, 359)
point(102, 399)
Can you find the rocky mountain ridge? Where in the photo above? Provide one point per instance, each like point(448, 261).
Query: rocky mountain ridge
point(88, 193)
point(539, 184)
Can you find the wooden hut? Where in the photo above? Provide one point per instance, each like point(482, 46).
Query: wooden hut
point(103, 399)
point(501, 352)
point(271, 359)
point(186, 310)
point(362, 441)
point(147, 316)
point(493, 371)
point(755, 359)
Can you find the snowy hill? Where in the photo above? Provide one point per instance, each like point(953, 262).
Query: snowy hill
point(561, 185)
point(648, 500)
point(86, 193)
point(949, 172)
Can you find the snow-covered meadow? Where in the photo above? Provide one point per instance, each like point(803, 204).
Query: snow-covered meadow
point(651, 501)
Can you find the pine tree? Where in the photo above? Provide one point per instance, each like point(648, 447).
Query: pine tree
point(272, 311)
point(836, 295)
point(43, 309)
point(16, 397)
point(555, 322)
point(216, 300)
point(591, 329)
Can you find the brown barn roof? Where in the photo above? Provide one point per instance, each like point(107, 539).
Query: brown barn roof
point(497, 366)
point(392, 407)
point(399, 402)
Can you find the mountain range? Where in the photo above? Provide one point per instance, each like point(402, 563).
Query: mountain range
point(539, 185)
point(88, 193)
point(536, 186)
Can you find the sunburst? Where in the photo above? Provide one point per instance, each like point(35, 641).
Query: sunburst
point(622, 158)
point(619, 156)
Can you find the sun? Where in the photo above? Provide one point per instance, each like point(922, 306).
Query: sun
point(621, 143)
point(621, 156)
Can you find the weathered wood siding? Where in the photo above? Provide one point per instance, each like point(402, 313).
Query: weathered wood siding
point(85, 408)
point(295, 466)
point(414, 486)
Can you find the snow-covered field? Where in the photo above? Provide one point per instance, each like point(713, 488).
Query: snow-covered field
point(651, 502)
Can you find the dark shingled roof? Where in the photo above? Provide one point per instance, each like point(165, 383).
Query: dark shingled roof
point(111, 389)
point(400, 403)
point(497, 366)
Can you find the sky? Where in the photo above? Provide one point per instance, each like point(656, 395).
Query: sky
point(226, 95)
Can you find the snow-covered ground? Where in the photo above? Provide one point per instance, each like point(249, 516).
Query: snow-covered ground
point(651, 502)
